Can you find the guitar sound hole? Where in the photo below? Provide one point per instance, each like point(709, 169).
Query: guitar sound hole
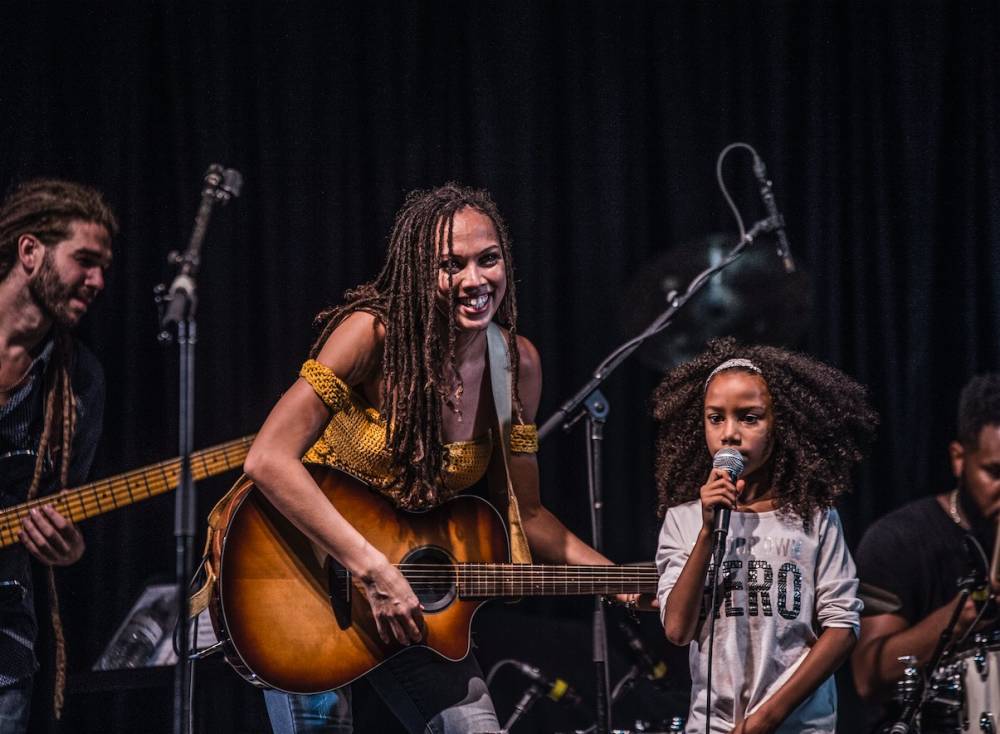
point(432, 576)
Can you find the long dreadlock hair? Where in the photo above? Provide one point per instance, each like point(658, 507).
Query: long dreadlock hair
point(419, 364)
point(822, 426)
point(46, 209)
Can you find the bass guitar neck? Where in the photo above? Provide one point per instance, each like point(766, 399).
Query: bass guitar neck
point(122, 490)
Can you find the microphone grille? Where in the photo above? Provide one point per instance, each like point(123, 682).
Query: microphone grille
point(729, 459)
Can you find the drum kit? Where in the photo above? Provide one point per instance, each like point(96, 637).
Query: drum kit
point(964, 691)
point(961, 690)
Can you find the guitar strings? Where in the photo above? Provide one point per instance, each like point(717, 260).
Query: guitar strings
point(522, 578)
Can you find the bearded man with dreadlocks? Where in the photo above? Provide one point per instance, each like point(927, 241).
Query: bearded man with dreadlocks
point(397, 390)
point(55, 244)
point(787, 592)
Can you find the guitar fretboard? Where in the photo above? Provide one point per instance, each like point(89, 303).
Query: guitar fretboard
point(529, 579)
point(105, 495)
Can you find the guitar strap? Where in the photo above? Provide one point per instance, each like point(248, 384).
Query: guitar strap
point(199, 600)
point(503, 496)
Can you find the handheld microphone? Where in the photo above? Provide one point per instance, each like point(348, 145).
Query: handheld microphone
point(732, 461)
point(558, 690)
point(784, 252)
point(653, 669)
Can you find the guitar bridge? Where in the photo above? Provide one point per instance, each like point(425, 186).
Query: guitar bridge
point(339, 583)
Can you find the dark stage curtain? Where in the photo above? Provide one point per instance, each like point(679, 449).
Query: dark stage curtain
point(596, 127)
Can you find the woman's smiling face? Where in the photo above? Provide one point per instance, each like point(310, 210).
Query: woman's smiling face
point(477, 269)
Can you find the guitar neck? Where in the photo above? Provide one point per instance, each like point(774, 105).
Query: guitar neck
point(105, 495)
point(509, 579)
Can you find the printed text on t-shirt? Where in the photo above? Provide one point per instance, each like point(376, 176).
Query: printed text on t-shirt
point(756, 589)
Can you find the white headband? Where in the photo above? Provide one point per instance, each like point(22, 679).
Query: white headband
point(730, 364)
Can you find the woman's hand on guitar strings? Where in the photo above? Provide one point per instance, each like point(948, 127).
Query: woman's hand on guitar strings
point(396, 609)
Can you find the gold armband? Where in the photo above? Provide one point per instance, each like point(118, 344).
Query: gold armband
point(524, 438)
point(331, 389)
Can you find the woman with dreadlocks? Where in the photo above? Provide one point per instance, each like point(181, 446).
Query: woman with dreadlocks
point(788, 611)
point(397, 391)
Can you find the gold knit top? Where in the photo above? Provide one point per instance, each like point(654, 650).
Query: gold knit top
point(354, 440)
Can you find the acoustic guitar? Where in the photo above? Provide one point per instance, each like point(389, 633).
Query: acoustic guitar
point(291, 618)
point(122, 490)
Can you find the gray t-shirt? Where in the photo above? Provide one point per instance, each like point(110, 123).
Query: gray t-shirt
point(781, 584)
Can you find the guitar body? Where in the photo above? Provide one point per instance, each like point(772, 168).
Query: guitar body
point(289, 617)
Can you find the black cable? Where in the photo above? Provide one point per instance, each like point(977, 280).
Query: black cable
point(190, 692)
point(713, 612)
point(722, 184)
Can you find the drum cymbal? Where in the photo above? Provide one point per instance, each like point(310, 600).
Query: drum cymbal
point(753, 299)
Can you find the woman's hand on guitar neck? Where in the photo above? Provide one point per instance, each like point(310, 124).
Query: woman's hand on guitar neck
point(396, 609)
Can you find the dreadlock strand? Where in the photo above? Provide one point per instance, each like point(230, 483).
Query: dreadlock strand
point(68, 410)
point(43, 442)
point(434, 382)
point(452, 356)
point(58, 386)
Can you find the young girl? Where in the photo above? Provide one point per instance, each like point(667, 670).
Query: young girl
point(788, 608)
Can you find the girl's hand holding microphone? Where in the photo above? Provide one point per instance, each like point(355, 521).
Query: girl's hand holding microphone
point(718, 491)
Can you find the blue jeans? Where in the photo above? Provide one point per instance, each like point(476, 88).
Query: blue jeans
point(427, 693)
point(15, 706)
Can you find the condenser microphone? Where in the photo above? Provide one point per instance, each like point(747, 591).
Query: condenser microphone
point(653, 668)
point(558, 690)
point(732, 461)
point(784, 252)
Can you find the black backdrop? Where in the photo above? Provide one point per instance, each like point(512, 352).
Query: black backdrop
point(596, 127)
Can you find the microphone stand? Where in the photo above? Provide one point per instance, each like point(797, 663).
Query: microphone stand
point(177, 306)
point(590, 403)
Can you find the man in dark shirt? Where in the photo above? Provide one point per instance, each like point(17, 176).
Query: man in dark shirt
point(910, 561)
point(55, 245)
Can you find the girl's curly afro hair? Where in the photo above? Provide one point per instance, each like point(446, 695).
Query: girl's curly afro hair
point(822, 426)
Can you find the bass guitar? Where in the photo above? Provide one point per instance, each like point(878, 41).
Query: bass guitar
point(122, 490)
point(291, 618)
